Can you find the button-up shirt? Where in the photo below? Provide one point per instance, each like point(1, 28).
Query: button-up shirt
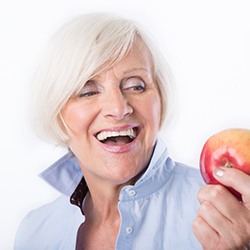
point(156, 212)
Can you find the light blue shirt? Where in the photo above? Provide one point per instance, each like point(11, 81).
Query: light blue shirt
point(156, 213)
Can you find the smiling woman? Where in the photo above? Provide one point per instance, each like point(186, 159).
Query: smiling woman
point(103, 92)
point(125, 100)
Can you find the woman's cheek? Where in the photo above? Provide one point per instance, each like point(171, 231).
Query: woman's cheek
point(76, 119)
point(154, 105)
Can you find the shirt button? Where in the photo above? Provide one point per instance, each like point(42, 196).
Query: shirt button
point(132, 192)
point(129, 230)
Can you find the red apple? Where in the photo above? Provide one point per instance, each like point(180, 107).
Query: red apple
point(229, 148)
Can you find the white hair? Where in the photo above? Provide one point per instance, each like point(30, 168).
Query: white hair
point(82, 48)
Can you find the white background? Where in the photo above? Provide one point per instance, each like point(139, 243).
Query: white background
point(207, 45)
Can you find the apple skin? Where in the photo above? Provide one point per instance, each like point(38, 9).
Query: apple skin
point(227, 148)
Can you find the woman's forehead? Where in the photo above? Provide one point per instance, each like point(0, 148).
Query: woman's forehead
point(137, 60)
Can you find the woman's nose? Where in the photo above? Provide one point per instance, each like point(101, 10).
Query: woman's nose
point(116, 105)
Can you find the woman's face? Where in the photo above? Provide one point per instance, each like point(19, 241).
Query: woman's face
point(114, 121)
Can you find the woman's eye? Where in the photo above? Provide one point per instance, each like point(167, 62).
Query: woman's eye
point(134, 85)
point(138, 88)
point(88, 90)
point(88, 93)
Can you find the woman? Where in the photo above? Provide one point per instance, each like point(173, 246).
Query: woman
point(103, 92)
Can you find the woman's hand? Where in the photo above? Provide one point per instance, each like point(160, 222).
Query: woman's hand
point(223, 222)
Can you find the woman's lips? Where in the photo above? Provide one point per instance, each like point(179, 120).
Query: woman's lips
point(104, 135)
point(118, 140)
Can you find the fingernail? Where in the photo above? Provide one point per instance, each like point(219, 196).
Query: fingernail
point(219, 172)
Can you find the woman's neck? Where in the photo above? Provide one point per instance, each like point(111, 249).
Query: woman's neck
point(101, 202)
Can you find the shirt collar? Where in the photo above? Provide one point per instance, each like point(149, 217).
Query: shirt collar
point(65, 175)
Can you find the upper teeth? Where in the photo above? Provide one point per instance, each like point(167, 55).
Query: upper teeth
point(105, 134)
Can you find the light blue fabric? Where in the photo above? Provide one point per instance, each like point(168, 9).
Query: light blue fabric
point(156, 213)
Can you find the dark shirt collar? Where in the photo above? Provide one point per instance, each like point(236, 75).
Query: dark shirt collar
point(79, 194)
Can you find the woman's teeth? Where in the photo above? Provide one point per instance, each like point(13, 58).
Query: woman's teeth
point(108, 134)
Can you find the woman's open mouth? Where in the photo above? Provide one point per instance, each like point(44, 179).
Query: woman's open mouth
point(117, 138)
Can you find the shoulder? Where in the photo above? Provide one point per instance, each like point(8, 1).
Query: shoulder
point(185, 181)
point(56, 208)
point(163, 162)
point(186, 170)
point(48, 225)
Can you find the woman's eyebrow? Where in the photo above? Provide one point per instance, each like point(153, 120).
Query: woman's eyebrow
point(129, 71)
point(136, 69)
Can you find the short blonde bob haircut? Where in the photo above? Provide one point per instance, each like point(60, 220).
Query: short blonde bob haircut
point(81, 49)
